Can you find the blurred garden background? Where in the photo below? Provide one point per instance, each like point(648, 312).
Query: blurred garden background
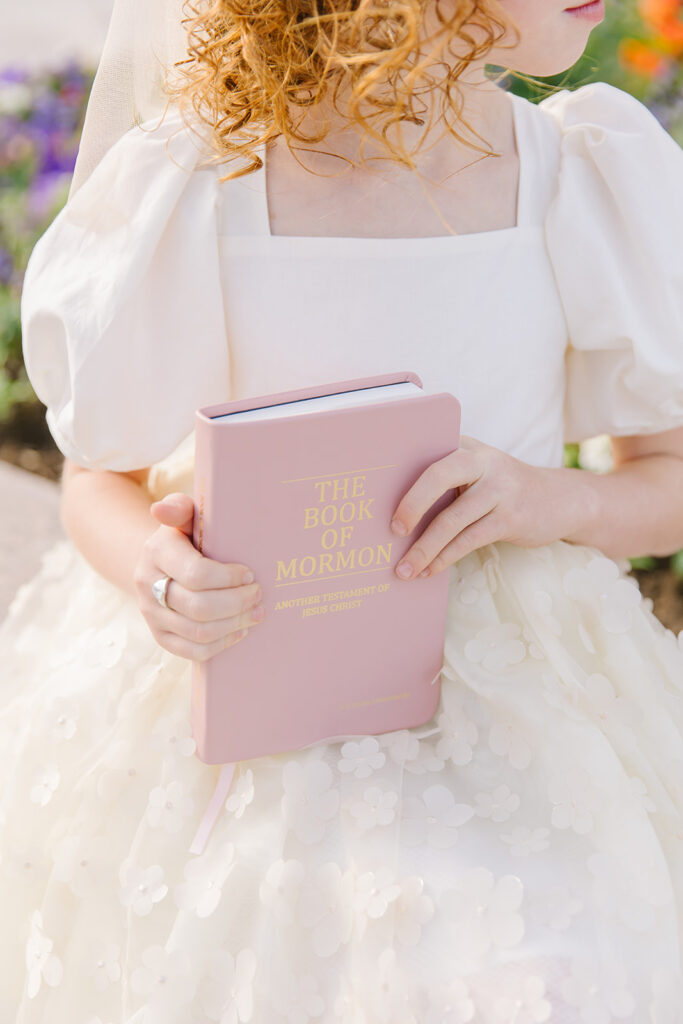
point(48, 56)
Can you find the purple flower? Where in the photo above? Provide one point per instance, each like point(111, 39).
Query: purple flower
point(6, 265)
point(14, 75)
point(43, 193)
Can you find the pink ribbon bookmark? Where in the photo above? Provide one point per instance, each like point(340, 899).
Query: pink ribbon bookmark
point(215, 803)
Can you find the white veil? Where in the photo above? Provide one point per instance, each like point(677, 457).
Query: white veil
point(144, 38)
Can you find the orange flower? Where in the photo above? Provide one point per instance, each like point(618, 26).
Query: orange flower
point(642, 59)
point(666, 18)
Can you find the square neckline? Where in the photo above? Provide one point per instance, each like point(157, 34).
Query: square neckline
point(520, 226)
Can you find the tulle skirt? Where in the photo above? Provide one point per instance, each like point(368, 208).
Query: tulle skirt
point(519, 858)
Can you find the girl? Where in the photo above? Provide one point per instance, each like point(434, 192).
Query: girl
point(519, 858)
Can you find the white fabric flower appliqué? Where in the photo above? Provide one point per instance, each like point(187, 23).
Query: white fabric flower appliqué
point(104, 647)
point(362, 758)
point(575, 801)
point(45, 784)
point(613, 598)
point(140, 887)
point(296, 998)
point(308, 802)
point(241, 795)
point(543, 604)
point(164, 979)
point(402, 745)
point(390, 996)
point(60, 719)
point(450, 1004)
point(498, 805)
point(611, 709)
point(459, 736)
point(555, 907)
point(79, 862)
point(41, 963)
point(105, 966)
point(227, 991)
point(527, 1005)
point(378, 807)
point(120, 781)
point(326, 908)
point(173, 737)
point(281, 888)
point(506, 740)
point(412, 909)
point(169, 806)
point(375, 892)
point(204, 879)
point(524, 840)
point(484, 912)
point(497, 647)
point(597, 997)
point(435, 818)
point(470, 588)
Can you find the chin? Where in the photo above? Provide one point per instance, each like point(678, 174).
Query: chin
point(544, 67)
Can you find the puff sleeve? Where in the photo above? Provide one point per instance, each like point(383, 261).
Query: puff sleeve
point(122, 313)
point(614, 232)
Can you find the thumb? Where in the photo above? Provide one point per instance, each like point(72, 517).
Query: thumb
point(176, 510)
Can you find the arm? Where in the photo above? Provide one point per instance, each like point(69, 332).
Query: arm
point(637, 508)
point(106, 515)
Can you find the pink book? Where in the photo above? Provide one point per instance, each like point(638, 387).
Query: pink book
point(305, 500)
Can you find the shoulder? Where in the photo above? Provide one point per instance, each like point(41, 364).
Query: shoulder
point(601, 112)
point(613, 231)
point(617, 162)
point(142, 175)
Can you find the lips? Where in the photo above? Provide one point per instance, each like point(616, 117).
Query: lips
point(590, 11)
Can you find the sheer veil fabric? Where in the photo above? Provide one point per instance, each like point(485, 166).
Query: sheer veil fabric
point(144, 40)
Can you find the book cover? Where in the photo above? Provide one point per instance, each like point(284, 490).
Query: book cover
point(305, 501)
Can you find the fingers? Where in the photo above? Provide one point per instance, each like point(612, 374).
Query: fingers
point(484, 531)
point(453, 521)
point(455, 469)
point(204, 633)
point(177, 557)
point(199, 638)
point(176, 510)
point(196, 651)
point(210, 605)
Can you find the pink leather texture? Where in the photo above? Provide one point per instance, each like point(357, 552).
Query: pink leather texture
point(345, 648)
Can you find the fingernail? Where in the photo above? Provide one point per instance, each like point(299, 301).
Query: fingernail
point(398, 527)
point(405, 570)
point(248, 577)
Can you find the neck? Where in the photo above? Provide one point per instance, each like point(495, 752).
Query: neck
point(485, 110)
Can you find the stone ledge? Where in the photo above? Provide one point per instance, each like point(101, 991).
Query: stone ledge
point(29, 525)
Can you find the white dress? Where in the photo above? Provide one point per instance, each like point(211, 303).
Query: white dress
point(517, 859)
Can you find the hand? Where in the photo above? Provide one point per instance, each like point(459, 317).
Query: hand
point(498, 497)
point(208, 604)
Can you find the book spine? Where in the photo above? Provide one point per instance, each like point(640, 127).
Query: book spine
point(203, 483)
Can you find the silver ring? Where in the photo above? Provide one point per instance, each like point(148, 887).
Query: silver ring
point(160, 590)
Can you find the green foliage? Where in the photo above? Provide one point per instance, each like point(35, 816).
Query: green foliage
point(676, 563)
point(571, 456)
point(41, 117)
point(646, 562)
